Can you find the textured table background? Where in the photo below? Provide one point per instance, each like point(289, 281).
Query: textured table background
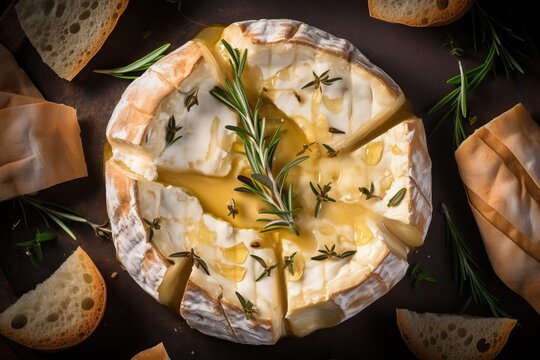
point(412, 56)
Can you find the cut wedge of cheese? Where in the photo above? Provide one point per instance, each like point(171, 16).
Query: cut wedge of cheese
point(171, 206)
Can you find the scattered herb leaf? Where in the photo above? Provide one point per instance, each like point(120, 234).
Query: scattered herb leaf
point(305, 147)
point(324, 78)
point(321, 193)
point(453, 47)
point(288, 263)
point(192, 99)
point(397, 198)
point(329, 253)
point(247, 306)
point(196, 259)
point(417, 275)
point(330, 151)
point(33, 247)
point(232, 209)
point(369, 192)
point(151, 226)
point(333, 130)
point(170, 132)
point(267, 269)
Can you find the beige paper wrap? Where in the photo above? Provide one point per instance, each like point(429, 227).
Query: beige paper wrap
point(40, 140)
point(500, 168)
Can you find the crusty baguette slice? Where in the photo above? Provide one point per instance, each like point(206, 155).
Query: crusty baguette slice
point(60, 312)
point(67, 34)
point(419, 13)
point(446, 336)
point(157, 352)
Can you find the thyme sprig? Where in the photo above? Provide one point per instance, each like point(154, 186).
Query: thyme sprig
point(417, 274)
point(58, 214)
point(33, 247)
point(466, 269)
point(330, 253)
point(170, 132)
point(232, 210)
point(369, 193)
point(288, 263)
point(267, 269)
point(151, 227)
point(247, 306)
point(136, 68)
point(260, 151)
point(495, 35)
point(321, 194)
point(196, 259)
point(323, 79)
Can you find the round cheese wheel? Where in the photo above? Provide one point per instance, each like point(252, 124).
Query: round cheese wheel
point(195, 244)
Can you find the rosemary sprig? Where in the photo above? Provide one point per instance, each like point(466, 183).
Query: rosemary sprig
point(369, 193)
point(136, 68)
point(260, 152)
point(196, 259)
point(247, 306)
point(493, 33)
point(60, 215)
point(417, 275)
point(232, 209)
point(267, 269)
point(330, 151)
point(151, 226)
point(324, 79)
point(397, 198)
point(33, 247)
point(170, 132)
point(330, 253)
point(321, 193)
point(466, 269)
point(288, 263)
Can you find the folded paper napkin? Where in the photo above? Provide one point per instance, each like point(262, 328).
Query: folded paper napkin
point(500, 168)
point(40, 140)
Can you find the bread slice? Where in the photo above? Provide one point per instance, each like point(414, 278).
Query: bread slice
point(157, 352)
point(446, 336)
point(67, 34)
point(419, 13)
point(60, 312)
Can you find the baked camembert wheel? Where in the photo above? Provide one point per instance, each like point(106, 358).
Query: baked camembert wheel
point(350, 162)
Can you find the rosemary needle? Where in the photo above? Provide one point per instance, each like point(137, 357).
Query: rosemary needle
point(136, 68)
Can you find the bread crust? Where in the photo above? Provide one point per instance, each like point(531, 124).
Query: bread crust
point(435, 15)
point(78, 331)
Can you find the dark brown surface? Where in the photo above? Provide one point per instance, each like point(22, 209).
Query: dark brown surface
point(412, 56)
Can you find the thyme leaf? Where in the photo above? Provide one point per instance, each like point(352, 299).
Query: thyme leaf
point(259, 149)
point(330, 151)
point(170, 132)
point(369, 193)
point(321, 193)
point(397, 198)
point(232, 209)
point(267, 269)
point(247, 306)
point(196, 259)
point(323, 79)
point(288, 263)
point(192, 99)
point(151, 226)
point(330, 253)
point(417, 275)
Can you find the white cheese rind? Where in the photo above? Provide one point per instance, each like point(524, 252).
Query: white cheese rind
point(138, 126)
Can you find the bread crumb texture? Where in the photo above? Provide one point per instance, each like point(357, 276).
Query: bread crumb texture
point(60, 312)
point(68, 33)
point(419, 12)
point(445, 336)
